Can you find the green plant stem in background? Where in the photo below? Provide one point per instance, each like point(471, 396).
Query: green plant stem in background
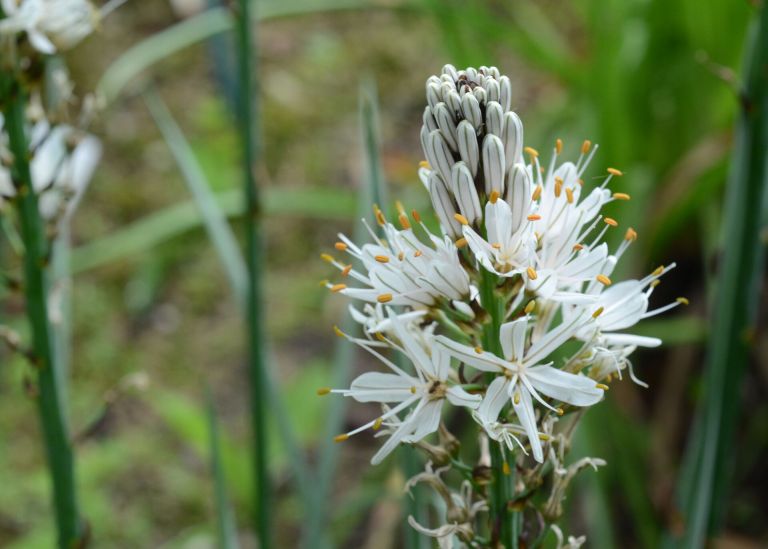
point(248, 120)
point(703, 488)
point(502, 486)
point(56, 438)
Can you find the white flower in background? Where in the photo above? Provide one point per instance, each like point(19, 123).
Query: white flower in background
point(63, 162)
point(51, 25)
point(427, 390)
point(524, 378)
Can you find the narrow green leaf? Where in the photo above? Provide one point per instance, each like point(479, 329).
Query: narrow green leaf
point(703, 489)
point(214, 219)
point(173, 221)
point(127, 68)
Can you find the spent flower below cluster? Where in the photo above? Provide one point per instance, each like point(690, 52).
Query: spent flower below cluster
point(508, 311)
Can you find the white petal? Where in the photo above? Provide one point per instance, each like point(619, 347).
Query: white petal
point(459, 397)
point(403, 430)
point(381, 387)
point(527, 418)
point(425, 420)
point(545, 284)
point(441, 361)
point(554, 339)
point(496, 396)
point(573, 298)
point(630, 339)
point(573, 389)
point(512, 338)
point(498, 222)
point(586, 265)
point(485, 361)
point(413, 348)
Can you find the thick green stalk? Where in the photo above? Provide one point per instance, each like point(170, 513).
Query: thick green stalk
point(57, 443)
point(704, 479)
point(502, 487)
point(248, 120)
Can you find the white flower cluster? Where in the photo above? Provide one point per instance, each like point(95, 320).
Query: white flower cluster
point(50, 25)
point(485, 311)
point(62, 163)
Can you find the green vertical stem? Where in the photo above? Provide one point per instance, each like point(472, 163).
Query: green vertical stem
point(57, 443)
point(704, 479)
point(502, 488)
point(248, 118)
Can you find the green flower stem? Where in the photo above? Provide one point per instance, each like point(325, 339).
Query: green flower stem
point(57, 443)
point(502, 487)
point(248, 119)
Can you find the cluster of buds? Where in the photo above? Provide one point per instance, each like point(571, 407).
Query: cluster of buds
point(507, 312)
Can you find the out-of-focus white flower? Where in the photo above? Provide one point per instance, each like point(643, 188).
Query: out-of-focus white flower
point(571, 543)
point(51, 25)
point(524, 378)
point(427, 389)
point(63, 162)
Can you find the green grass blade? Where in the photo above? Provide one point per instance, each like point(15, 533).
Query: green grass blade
point(56, 437)
point(173, 221)
point(215, 221)
point(226, 526)
point(160, 45)
point(314, 534)
point(703, 493)
point(129, 66)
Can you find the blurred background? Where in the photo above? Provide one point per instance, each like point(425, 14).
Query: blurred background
point(153, 320)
